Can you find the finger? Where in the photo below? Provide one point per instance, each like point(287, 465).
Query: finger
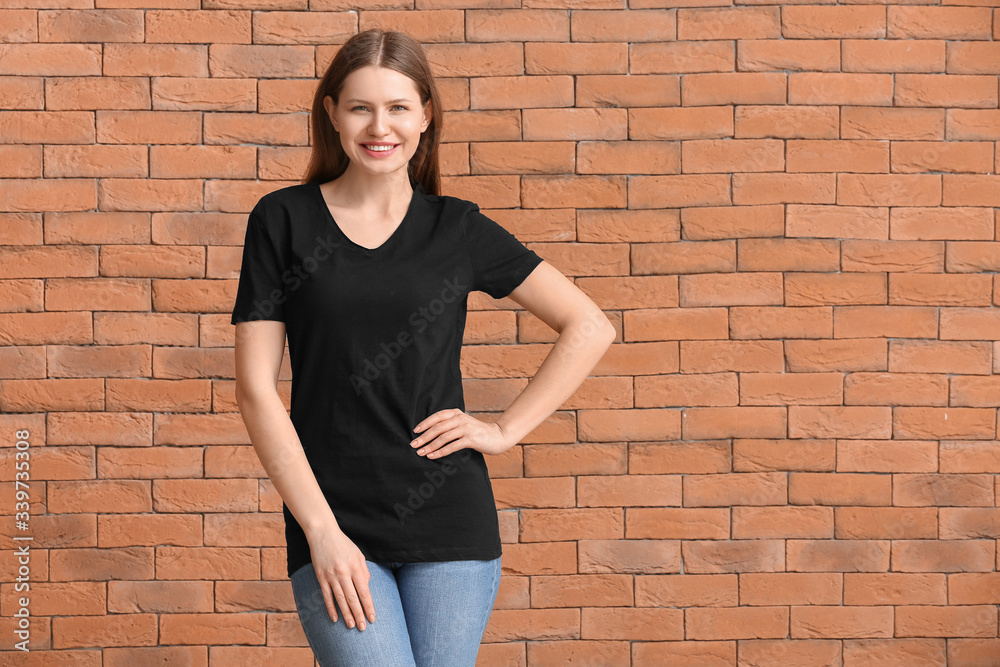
point(328, 599)
point(355, 604)
point(366, 601)
point(342, 603)
point(444, 451)
point(436, 444)
point(434, 418)
point(436, 436)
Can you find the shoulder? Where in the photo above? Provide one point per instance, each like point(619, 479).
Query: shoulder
point(288, 196)
point(450, 209)
point(275, 209)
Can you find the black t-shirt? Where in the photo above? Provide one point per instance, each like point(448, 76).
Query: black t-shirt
point(374, 340)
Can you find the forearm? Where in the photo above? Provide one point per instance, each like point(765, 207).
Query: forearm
point(577, 350)
point(280, 452)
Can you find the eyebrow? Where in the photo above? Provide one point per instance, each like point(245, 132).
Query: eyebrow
point(398, 99)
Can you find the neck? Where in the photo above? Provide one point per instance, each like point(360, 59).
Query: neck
point(357, 189)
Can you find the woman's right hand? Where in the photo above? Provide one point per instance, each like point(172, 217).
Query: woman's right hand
point(341, 569)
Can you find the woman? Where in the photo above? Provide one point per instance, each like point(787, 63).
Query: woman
point(387, 502)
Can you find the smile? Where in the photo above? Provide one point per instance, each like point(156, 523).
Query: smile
point(380, 150)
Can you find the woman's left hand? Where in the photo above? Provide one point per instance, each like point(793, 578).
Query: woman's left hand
point(450, 430)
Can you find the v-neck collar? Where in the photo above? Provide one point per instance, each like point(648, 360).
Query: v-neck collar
point(417, 191)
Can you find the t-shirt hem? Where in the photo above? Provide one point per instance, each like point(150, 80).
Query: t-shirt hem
point(421, 556)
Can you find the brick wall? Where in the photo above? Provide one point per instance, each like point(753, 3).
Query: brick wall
point(789, 455)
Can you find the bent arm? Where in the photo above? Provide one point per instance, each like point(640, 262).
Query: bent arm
point(259, 349)
point(585, 334)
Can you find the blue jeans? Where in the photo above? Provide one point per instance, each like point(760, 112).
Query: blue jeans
point(428, 614)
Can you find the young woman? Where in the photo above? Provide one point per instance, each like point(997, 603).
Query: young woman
point(366, 268)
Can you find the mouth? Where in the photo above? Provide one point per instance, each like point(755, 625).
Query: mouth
point(380, 149)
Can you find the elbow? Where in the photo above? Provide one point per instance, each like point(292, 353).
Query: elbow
point(597, 328)
point(246, 395)
point(609, 332)
point(605, 329)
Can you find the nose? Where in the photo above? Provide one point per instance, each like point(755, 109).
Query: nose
point(377, 127)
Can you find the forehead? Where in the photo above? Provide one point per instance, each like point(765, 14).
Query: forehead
point(374, 83)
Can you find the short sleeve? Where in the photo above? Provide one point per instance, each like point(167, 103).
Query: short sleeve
point(499, 261)
point(260, 294)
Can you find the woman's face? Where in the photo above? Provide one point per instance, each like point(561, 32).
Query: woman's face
point(379, 118)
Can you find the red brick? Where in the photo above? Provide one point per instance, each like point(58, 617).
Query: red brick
point(787, 122)
point(449, 60)
point(973, 124)
point(848, 156)
point(779, 322)
point(893, 55)
point(885, 322)
point(681, 123)
point(516, 25)
point(900, 651)
point(571, 191)
point(678, 191)
point(632, 623)
point(971, 257)
point(812, 22)
point(971, 190)
point(921, 156)
point(173, 25)
point(840, 88)
point(779, 188)
point(676, 324)
point(522, 157)
point(733, 88)
point(579, 58)
point(796, 651)
point(762, 55)
point(575, 124)
point(734, 422)
point(973, 58)
point(888, 190)
point(788, 255)
point(502, 92)
point(848, 222)
point(841, 621)
point(691, 257)
point(714, 556)
point(943, 290)
point(940, 90)
point(735, 289)
point(742, 155)
point(894, 256)
point(896, 523)
point(631, 90)
point(681, 57)
point(838, 555)
point(877, 123)
point(791, 389)
point(939, 22)
point(647, 25)
point(437, 25)
point(728, 23)
point(736, 622)
point(947, 423)
point(632, 157)
point(836, 289)
point(883, 456)
point(729, 222)
point(869, 354)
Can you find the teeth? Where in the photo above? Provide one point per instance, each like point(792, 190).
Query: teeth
point(378, 148)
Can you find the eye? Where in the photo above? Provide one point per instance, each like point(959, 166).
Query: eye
point(359, 107)
point(400, 106)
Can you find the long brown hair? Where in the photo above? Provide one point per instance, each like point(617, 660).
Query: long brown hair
point(379, 48)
